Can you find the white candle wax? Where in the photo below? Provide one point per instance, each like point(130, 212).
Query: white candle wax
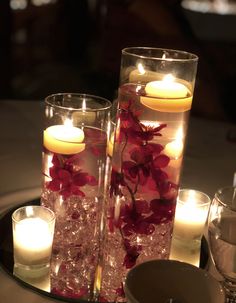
point(167, 95)
point(64, 139)
point(174, 149)
point(166, 89)
point(32, 241)
point(190, 219)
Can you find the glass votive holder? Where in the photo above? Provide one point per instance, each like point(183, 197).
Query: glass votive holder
point(190, 219)
point(33, 230)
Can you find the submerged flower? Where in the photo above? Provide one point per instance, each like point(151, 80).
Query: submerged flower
point(66, 180)
point(117, 179)
point(135, 220)
point(132, 253)
point(120, 291)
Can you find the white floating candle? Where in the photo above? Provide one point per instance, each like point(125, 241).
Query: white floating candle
point(140, 75)
point(167, 95)
point(166, 88)
point(174, 149)
point(64, 139)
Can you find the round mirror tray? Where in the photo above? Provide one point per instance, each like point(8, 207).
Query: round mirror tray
point(43, 286)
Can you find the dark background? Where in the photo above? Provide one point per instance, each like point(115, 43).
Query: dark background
point(75, 46)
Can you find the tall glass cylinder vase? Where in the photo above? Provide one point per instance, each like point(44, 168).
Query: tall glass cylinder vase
point(155, 98)
point(74, 167)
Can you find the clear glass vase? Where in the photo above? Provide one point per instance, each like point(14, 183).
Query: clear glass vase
point(154, 102)
point(74, 167)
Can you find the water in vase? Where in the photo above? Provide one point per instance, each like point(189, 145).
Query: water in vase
point(146, 166)
point(74, 188)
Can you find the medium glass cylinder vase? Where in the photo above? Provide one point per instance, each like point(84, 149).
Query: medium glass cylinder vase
point(154, 102)
point(74, 166)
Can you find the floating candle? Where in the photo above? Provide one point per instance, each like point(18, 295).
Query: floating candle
point(167, 95)
point(174, 149)
point(166, 88)
point(85, 116)
point(140, 75)
point(64, 139)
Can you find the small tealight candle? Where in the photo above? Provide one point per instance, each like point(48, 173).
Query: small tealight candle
point(167, 95)
point(33, 229)
point(64, 139)
point(190, 218)
point(32, 241)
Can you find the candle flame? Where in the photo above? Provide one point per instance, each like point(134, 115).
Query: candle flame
point(84, 105)
point(191, 198)
point(163, 56)
point(68, 122)
point(138, 88)
point(141, 69)
point(29, 211)
point(169, 78)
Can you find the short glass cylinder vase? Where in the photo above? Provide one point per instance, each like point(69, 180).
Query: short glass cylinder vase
point(33, 229)
point(154, 102)
point(74, 167)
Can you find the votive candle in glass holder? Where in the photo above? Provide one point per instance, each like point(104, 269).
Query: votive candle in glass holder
point(74, 172)
point(33, 230)
point(190, 219)
point(154, 102)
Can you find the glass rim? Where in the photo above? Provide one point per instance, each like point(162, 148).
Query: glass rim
point(130, 51)
point(198, 192)
point(221, 191)
point(107, 103)
point(53, 216)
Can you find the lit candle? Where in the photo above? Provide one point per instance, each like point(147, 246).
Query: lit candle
point(174, 149)
point(167, 95)
point(166, 88)
point(84, 116)
point(64, 139)
point(140, 75)
point(32, 241)
point(190, 218)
